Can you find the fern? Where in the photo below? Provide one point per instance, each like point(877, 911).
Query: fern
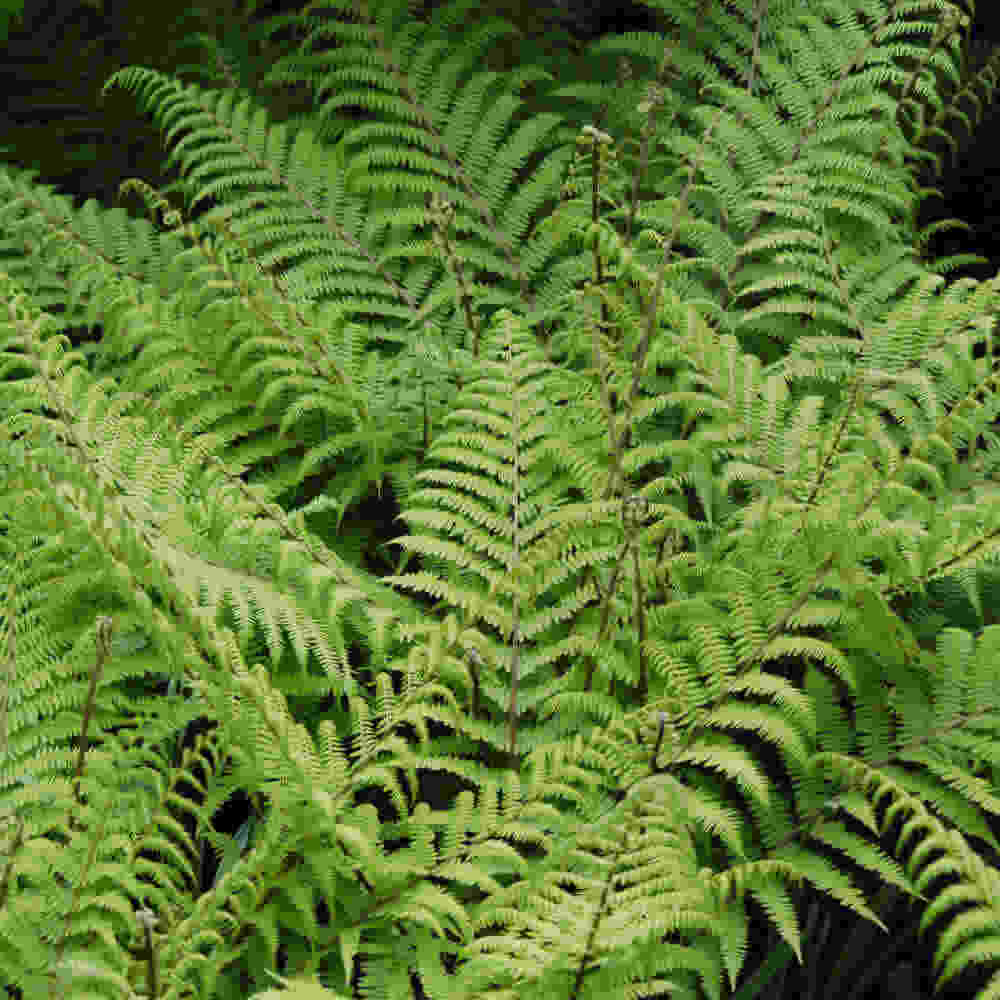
point(694, 461)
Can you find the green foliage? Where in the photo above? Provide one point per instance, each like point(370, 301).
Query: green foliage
point(678, 421)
